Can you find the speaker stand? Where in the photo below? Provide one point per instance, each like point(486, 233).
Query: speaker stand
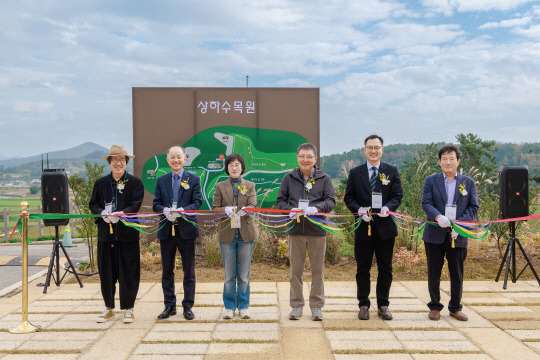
point(55, 263)
point(510, 257)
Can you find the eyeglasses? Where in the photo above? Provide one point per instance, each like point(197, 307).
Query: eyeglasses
point(371, 148)
point(121, 161)
point(306, 157)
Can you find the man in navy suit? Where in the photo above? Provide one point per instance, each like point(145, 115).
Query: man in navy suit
point(447, 196)
point(175, 192)
point(374, 187)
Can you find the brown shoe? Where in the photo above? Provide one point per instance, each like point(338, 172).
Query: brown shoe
point(459, 315)
point(363, 314)
point(434, 315)
point(384, 313)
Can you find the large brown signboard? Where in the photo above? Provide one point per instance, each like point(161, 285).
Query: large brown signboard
point(264, 125)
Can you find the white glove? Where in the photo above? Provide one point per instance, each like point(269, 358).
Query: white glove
point(310, 210)
point(384, 211)
point(241, 212)
point(364, 211)
point(176, 213)
point(169, 214)
point(105, 216)
point(114, 216)
point(444, 222)
point(229, 210)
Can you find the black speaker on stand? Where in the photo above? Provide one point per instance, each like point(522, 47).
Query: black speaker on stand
point(513, 203)
point(55, 200)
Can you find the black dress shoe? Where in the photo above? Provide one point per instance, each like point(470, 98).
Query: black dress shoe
point(169, 310)
point(188, 314)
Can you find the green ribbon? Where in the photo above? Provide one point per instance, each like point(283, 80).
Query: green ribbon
point(61, 216)
point(276, 231)
point(341, 233)
point(134, 226)
point(462, 232)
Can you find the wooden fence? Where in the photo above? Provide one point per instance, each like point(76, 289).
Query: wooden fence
point(8, 227)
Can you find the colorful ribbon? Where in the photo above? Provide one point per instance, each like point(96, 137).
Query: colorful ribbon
point(469, 229)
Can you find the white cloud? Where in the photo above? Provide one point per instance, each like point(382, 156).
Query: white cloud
point(472, 86)
point(387, 66)
point(532, 31)
point(507, 23)
point(447, 7)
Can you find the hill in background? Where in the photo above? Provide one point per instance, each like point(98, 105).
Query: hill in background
point(74, 152)
point(72, 160)
point(336, 165)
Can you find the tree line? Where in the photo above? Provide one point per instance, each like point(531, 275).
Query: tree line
point(338, 165)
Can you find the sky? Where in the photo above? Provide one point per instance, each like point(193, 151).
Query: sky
point(411, 71)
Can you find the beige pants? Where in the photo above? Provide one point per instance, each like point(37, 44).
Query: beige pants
point(316, 248)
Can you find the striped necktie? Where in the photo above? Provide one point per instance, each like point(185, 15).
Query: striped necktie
point(175, 188)
point(373, 178)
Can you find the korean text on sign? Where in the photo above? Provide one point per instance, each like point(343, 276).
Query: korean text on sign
point(225, 107)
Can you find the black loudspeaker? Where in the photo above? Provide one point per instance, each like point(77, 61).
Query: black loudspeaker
point(54, 195)
point(513, 191)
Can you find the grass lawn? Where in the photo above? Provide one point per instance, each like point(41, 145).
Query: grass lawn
point(13, 204)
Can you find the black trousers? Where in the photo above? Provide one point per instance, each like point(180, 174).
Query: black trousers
point(168, 255)
point(364, 249)
point(119, 262)
point(435, 260)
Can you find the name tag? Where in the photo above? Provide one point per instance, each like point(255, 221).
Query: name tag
point(108, 207)
point(174, 205)
point(450, 212)
point(303, 204)
point(376, 200)
point(235, 221)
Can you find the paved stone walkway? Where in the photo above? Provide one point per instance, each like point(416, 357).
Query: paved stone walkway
point(503, 324)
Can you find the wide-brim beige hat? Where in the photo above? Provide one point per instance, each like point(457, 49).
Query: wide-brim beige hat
point(116, 150)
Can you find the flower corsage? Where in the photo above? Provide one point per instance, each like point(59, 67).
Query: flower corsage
point(184, 184)
point(309, 184)
point(384, 179)
point(243, 190)
point(121, 185)
point(462, 189)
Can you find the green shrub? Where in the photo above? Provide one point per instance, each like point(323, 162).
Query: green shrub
point(210, 248)
point(333, 244)
point(346, 250)
point(264, 247)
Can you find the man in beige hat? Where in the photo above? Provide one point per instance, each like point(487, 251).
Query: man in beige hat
point(118, 251)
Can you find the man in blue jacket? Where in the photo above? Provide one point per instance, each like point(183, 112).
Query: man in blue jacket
point(175, 192)
point(447, 196)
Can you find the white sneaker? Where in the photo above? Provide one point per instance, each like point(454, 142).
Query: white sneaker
point(228, 314)
point(106, 315)
point(129, 317)
point(244, 314)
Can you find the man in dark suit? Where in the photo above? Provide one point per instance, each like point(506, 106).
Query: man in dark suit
point(175, 192)
point(447, 196)
point(374, 187)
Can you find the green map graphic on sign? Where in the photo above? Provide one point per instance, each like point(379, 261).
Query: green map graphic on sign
point(268, 154)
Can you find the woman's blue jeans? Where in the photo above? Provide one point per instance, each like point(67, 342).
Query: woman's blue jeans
point(236, 263)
